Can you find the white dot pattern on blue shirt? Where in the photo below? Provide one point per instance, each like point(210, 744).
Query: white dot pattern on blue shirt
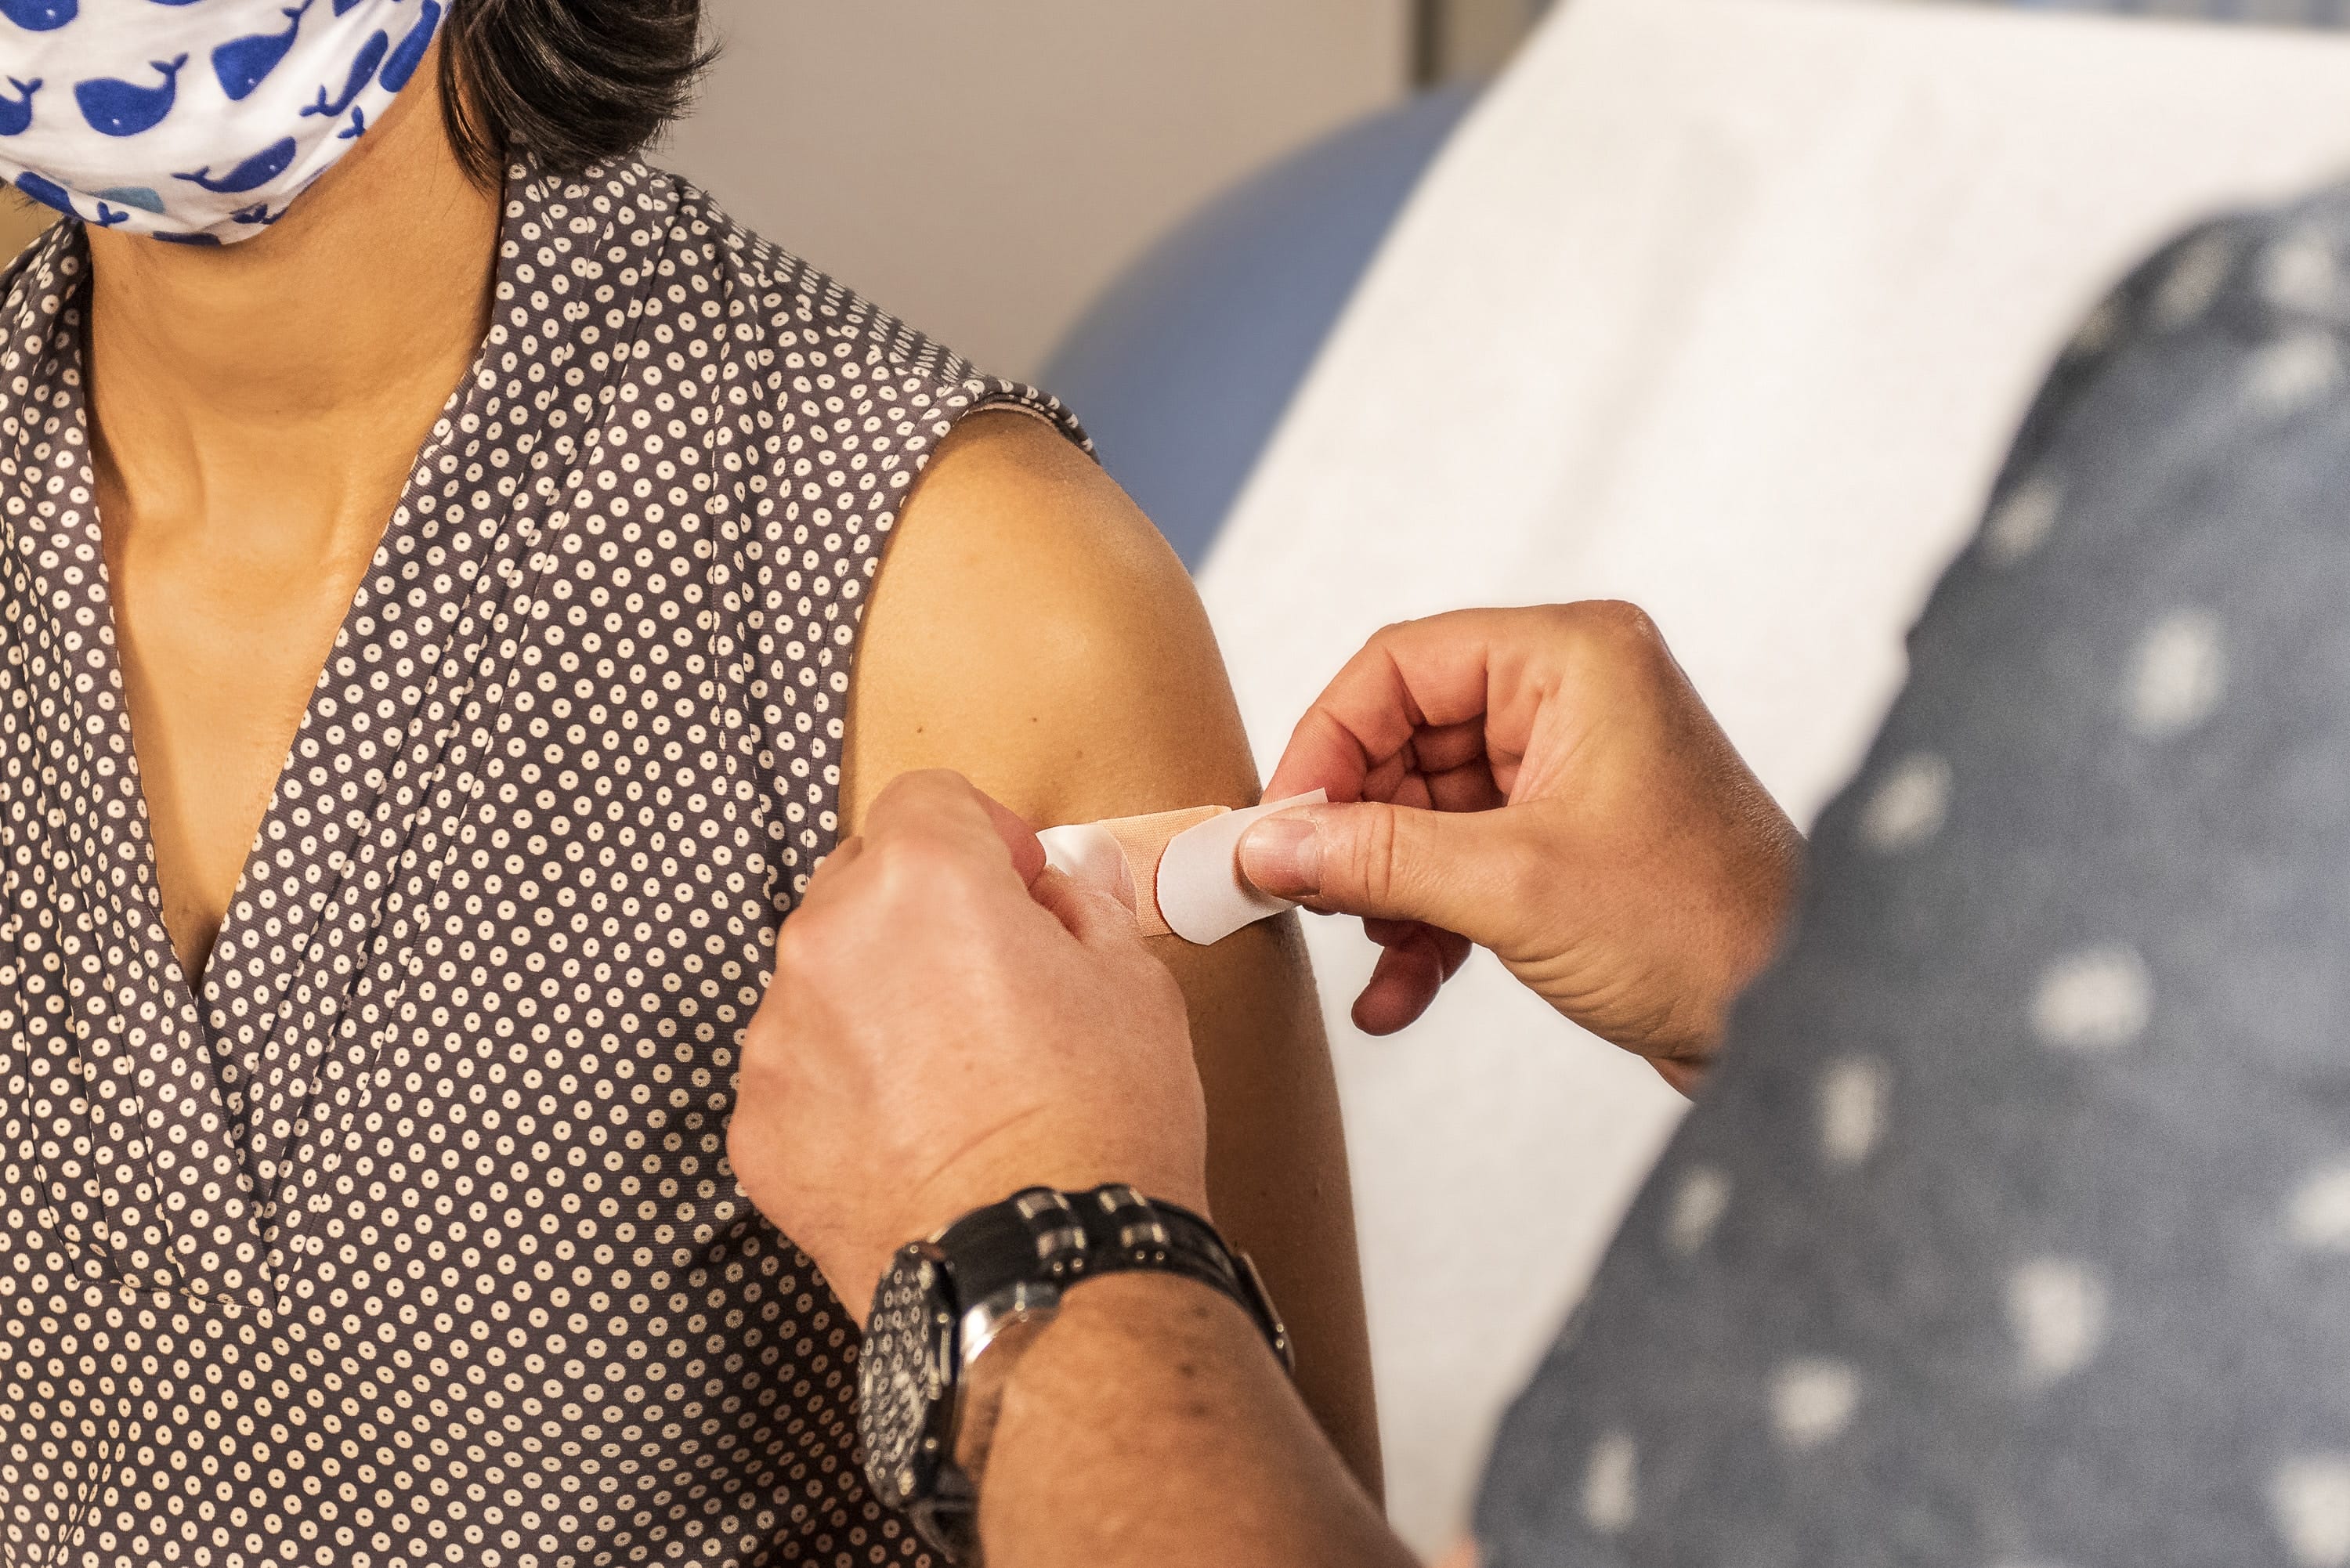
point(2011, 1228)
point(411, 1237)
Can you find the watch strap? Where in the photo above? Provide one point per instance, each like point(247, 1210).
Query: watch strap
point(1040, 1236)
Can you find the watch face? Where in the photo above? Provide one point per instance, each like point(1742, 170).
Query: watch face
point(909, 1357)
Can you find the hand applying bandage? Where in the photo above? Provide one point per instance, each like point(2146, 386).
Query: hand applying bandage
point(1178, 871)
point(953, 1020)
point(1545, 783)
point(950, 1019)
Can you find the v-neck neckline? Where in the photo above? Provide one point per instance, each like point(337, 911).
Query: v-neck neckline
point(260, 1151)
point(198, 988)
point(409, 668)
point(195, 999)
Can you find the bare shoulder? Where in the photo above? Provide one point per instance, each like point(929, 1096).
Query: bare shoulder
point(1031, 630)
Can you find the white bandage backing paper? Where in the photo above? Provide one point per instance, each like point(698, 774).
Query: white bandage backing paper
point(1178, 871)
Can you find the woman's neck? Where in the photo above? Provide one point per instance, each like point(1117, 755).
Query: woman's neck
point(284, 383)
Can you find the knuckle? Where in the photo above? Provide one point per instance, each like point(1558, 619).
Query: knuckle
point(1372, 850)
point(909, 870)
point(892, 862)
point(792, 943)
point(1622, 627)
point(808, 948)
point(950, 882)
point(767, 1057)
point(1519, 877)
point(935, 847)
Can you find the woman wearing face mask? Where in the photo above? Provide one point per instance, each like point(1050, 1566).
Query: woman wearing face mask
point(404, 786)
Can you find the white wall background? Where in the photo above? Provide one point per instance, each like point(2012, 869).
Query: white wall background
point(985, 169)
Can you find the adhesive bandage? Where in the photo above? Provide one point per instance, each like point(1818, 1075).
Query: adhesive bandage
point(1177, 870)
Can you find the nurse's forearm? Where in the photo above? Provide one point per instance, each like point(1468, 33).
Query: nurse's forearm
point(1150, 1425)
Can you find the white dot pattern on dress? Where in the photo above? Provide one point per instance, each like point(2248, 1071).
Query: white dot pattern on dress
point(410, 1237)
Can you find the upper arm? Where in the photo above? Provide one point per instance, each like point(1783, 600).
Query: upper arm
point(1031, 630)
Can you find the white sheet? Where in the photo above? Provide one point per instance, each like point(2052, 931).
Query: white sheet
point(1730, 308)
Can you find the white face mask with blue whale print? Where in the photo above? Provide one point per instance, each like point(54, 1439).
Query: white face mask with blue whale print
point(195, 121)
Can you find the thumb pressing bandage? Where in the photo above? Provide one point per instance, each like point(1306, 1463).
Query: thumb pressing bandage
point(1179, 870)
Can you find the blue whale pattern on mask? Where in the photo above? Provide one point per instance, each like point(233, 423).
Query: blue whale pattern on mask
point(16, 115)
point(40, 16)
point(363, 69)
point(47, 192)
point(256, 171)
point(142, 197)
point(244, 64)
point(118, 107)
point(101, 116)
point(410, 53)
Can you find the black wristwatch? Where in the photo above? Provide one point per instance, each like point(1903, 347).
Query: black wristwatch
point(951, 1313)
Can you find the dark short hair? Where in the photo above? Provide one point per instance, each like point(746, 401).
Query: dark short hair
point(575, 82)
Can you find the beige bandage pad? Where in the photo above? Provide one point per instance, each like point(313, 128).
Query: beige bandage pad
point(1096, 853)
point(1177, 870)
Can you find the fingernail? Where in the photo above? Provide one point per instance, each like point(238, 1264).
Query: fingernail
point(1283, 855)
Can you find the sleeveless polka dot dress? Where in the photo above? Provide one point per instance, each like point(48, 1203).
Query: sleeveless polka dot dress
point(408, 1237)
